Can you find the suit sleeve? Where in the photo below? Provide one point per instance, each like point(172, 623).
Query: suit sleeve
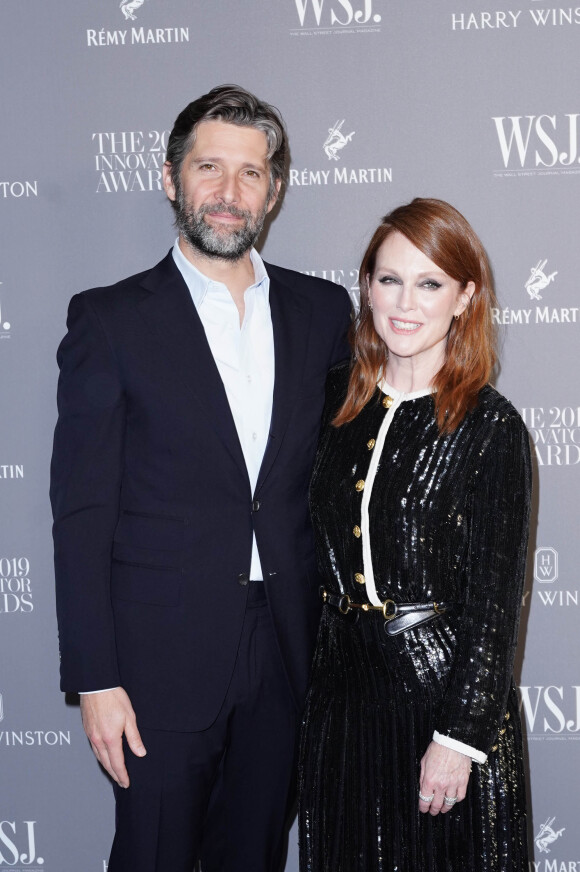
point(341, 350)
point(86, 475)
point(476, 697)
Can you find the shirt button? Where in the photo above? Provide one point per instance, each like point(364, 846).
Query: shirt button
point(359, 485)
point(249, 378)
point(388, 402)
point(371, 444)
point(256, 505)
point(356, 531)
point(254, 436)
point(243, 578)
point(359, 578)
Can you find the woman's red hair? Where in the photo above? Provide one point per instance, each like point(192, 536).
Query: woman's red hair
point(447, 239)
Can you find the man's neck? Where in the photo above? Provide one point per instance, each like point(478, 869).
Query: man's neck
point(236, 275)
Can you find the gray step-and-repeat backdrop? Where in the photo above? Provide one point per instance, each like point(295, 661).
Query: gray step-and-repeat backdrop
point(473, 101)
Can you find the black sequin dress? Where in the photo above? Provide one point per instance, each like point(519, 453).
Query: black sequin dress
point(445, 518)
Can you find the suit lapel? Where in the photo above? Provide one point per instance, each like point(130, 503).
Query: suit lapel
point(172, 317)
point(290, 322)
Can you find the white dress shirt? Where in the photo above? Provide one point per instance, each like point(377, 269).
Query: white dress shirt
point(244, 356)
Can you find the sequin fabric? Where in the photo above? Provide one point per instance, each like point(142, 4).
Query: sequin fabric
point(448, 521)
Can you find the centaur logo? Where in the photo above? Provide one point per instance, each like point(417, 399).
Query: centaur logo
point(129, 7)
point(314, 14)
point(532, 144)
point(336, 140)
point(100, 37)
point(538, 280)
point(546, 835)
point(339, 175)
point(545, 838)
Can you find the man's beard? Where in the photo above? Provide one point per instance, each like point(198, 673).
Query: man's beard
point(224, 243)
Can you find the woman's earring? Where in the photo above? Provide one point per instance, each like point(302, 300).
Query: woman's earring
point(456, 317)
point(370, 299)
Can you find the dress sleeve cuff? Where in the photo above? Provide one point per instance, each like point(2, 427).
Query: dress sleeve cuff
point(448, 742)
point(104, 690)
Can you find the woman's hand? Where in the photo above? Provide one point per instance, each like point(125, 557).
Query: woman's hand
point(444, 775)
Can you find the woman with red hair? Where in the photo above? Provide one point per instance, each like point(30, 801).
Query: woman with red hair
point(420, 500)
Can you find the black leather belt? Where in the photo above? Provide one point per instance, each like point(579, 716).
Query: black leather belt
point(398, 616)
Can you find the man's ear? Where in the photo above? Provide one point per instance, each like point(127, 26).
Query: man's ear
point(168, 182)
point(275, 195)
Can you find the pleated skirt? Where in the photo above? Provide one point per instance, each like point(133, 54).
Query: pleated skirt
point(369, 717)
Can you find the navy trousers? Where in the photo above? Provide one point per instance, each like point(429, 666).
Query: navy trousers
point(220, 795)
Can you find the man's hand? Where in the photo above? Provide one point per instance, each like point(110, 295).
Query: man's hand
point(106, 716)
point(444, 776)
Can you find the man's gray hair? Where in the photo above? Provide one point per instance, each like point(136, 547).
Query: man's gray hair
point(234, 105)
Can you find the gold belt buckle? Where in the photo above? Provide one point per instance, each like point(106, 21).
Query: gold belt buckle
point(344, 604)
point(387, 614)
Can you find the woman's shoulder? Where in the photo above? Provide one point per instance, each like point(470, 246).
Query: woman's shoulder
point(493, 404)
point(336, 389)
point(494, 413)
point(337, 382)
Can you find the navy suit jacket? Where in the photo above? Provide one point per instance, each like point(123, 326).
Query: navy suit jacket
point(153, 510)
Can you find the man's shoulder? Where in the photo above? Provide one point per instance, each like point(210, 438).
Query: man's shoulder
point(303, 283)
point(132, 287)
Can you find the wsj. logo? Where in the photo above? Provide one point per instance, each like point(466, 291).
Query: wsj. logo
point(538, 280)
point(336, 140)
point(546, 565)
point(551, 711)
point(546, 835)
point(339, 13)
point(18, 846)
point(129, 7)
point(5, 326)
point(15, 592)
point(538, 142)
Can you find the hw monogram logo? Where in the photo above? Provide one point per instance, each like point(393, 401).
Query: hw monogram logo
point(546, 565)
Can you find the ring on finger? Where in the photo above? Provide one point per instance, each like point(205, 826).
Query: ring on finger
point(449, 800)
point(426, 798)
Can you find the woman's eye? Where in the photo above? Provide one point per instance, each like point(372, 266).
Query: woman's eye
point(431, 285)
point(388, 280)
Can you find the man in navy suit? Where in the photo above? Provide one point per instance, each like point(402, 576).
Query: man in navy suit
point(190, 398)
